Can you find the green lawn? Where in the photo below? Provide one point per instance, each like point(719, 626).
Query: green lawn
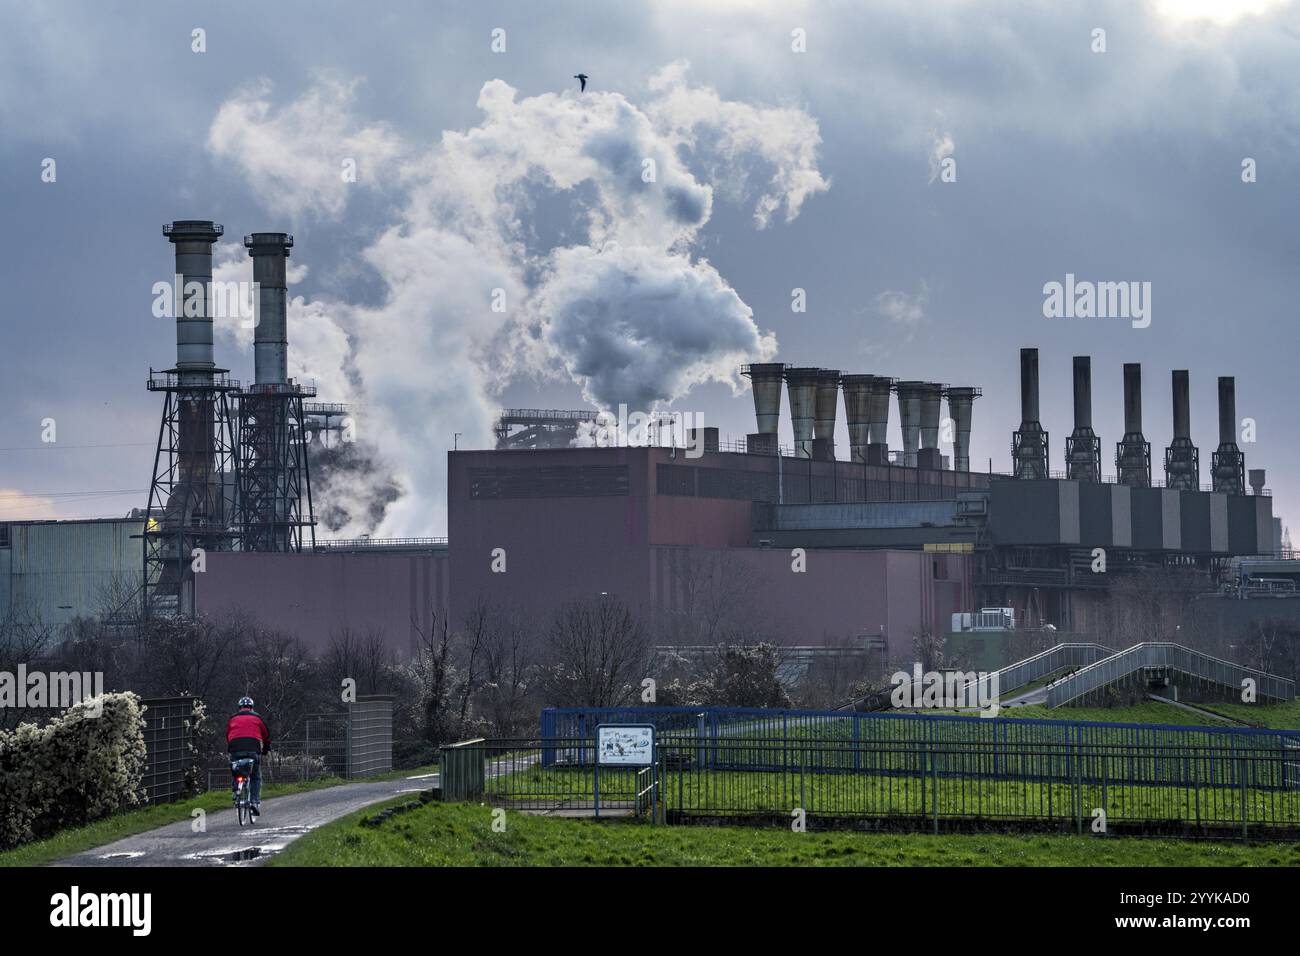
point(118, 826)
point(438, 834)
point(1147, 712)
point(911, 795)
point(1275, 716)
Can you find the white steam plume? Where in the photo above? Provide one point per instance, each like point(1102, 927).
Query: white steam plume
point(622, 304)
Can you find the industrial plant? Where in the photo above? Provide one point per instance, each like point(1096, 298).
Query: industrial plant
point(827, 550)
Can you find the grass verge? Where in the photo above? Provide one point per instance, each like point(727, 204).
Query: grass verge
point(441, 834)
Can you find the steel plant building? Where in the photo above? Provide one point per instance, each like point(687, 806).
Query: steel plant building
point(890, 549)
point(812, 548)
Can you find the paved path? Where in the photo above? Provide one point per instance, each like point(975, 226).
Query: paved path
point(226, 843)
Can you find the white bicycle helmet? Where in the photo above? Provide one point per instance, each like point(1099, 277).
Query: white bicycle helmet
point(245, 702)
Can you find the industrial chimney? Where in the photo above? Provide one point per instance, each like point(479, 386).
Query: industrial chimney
point(1029, 443)
point(1256, 478)
point(765, 378)
point(193, 239)
point(274, 481)
point(909, 417)
point(857, 413)
point(825, 407)
point(195, 462)
point(270, 252)
point(1083, 447)
point(878, 419)
point(1227, 464)
point(930, 398)
point(1182, 458)
point(960, 405)
point(801, 390)
point(1133, 453)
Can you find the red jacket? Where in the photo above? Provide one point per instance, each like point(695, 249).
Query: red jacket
point(247, 732)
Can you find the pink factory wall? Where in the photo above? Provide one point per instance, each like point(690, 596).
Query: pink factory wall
point(564, 548)
point(315, 596)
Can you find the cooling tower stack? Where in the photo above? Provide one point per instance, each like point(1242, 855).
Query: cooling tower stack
point(1228, 464)
point(1133, 453)
point(1083, 447)
point(1029, 443)
point(960, 405)
point(909, 417)
point(825, 406)
point(801, 391)
point(857, 413)
point(765, 378)
point(1182, 458)
point(878, 420)
point(929, 397)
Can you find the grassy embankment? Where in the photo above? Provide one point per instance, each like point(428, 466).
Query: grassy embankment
point(438, 834)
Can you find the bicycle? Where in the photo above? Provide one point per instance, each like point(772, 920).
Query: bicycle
point(243, 771)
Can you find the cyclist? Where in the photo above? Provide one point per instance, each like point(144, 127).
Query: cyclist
point(247, 737)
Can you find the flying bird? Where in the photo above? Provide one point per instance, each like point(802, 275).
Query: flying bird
point(581, 78)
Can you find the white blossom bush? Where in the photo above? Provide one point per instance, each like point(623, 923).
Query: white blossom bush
point(76, 768)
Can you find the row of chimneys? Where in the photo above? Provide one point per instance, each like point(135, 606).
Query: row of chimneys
point(814, 399)
point(1133, 452)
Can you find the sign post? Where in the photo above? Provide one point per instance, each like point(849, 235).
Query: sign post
point(623, 745)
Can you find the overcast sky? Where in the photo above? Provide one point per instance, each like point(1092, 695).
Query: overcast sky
point(794, 146)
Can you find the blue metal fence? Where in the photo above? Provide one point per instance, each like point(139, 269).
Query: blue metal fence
point(1002, 748)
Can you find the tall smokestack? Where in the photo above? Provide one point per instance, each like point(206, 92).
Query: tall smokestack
point(1133, 453)
point(1182, 458)
point(961, 401)
point(909, 417)
point(857, 413)
point(1029, 443)
point(801, 390)
point(878, 418)
point(270, 252)
point(1227, 463)
point(766, 378)
point(193, 239)
point(1083, 447)
point(930, 399)
point(825, 407)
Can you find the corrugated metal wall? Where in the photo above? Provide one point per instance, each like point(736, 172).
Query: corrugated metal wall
point(59, 570)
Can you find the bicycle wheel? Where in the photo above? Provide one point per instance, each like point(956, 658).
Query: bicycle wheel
point(242, 806)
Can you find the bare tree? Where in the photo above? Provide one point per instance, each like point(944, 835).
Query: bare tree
point(598, 654)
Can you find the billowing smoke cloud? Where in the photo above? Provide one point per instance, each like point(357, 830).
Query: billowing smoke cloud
point(473, 293)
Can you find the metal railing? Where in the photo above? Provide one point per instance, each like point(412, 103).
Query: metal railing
point(1213, 789)
point(1025, 672)
point(1168, 656)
